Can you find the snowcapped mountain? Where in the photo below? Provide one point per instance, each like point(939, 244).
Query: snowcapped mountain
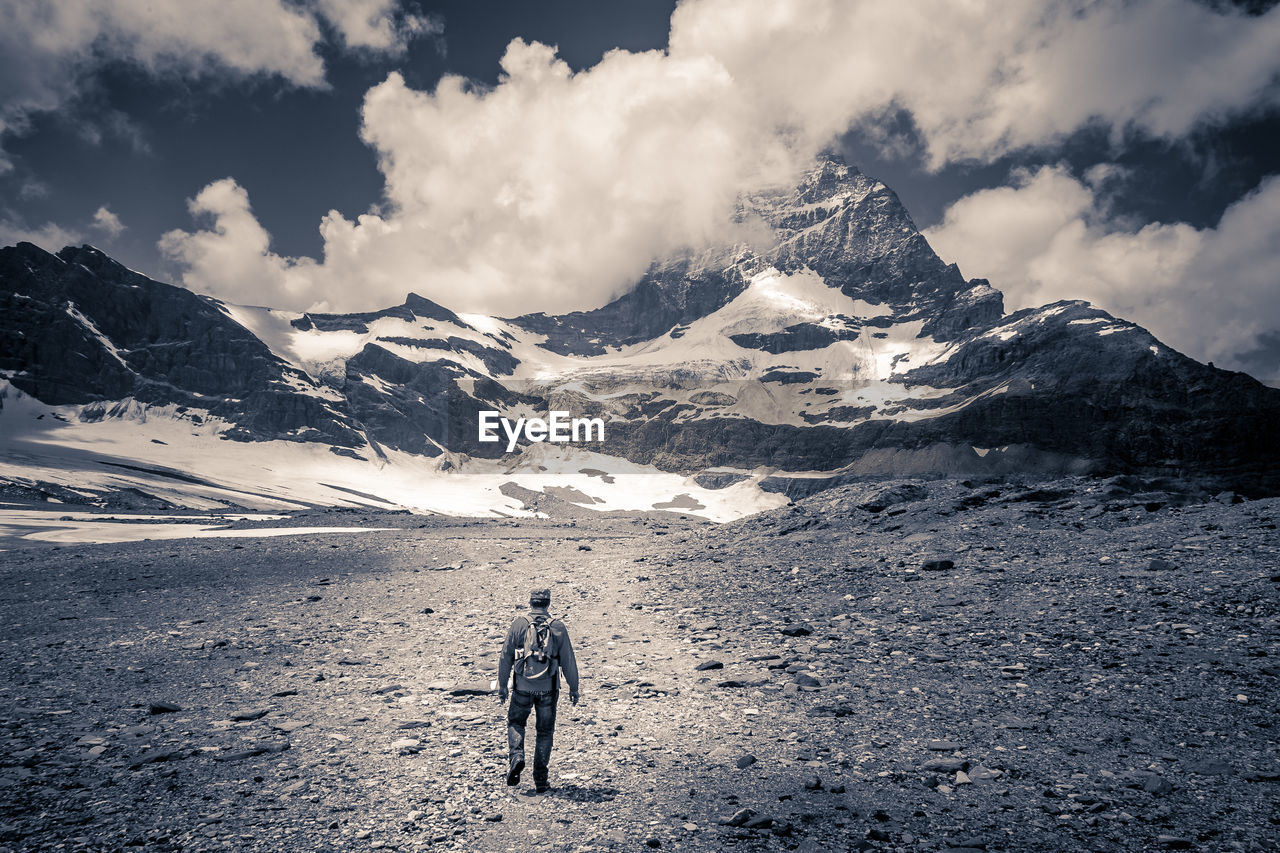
point(842, 348)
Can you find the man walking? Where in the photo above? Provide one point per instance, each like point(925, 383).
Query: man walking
point(536, 651)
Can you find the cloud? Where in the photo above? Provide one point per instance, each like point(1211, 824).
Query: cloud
point(50, 49)
point(981, 79)
point(1211, 293)
point(376, 25)
point(554, 190)
point(233, 260)
point(551, 191)
point(50, 236)
point(108, 223)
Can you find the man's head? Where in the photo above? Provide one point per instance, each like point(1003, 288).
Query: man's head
point(540, 598)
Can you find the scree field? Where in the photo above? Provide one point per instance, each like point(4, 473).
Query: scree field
point(946, 666)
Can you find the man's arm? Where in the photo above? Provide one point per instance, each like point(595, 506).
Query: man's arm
point(569, 666)
point(505, 661)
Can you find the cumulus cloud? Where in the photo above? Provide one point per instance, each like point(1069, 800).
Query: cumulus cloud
point(554, 190)
point(49, 49)
point(233, 259)
point(551, 191)
point(49, 236)
point(108, 223)
point(1213, 293)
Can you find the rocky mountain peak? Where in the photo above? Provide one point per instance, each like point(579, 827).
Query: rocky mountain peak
point(847, 348)
point(827, 179)
point(420, 306)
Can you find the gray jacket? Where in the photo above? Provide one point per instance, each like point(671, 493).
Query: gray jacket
point(558, 648)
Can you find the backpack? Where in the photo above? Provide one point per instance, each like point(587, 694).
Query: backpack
point(535, 660)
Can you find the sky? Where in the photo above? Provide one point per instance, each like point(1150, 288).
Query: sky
point(523, 156)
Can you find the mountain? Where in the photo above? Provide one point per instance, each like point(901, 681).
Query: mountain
point(844, 348)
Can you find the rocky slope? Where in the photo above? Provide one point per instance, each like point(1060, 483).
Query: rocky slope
point(911, 666)
point(841, 348)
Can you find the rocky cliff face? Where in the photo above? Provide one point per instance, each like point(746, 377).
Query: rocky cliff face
point(79, 328)
point(848, 228)
point(843, 348)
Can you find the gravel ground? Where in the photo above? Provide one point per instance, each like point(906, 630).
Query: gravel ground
point(927, 667)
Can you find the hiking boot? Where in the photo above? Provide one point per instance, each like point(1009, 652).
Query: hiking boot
point(540, 787)
point(513, 775)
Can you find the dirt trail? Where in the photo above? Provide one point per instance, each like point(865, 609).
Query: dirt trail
point(1058, 686)
point(325, 645)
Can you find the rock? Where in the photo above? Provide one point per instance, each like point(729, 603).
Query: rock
point(942, 746)
point(164, 708)
point(708, 665)
point(813, 783)
point(261, 749)
point(414, 724)
point(406, 746)
point(945, 765)
point(353, 662)
point(157, 756)
point(759, 822)
point(652, 842)
point(288, 726)
point(496, 817)
point(1209, 767)
point(876, 834)
point(804, 679)
point(390, 688)
point(249, 716)
point(1154, 784)
point(796, 631)
point(1159, 565)
point(1175, 842)
point(745, 761)
point(894, 495)
point(938, 565)
point(740, 817)
point(970, 842)
point(471, 688)
point(731, 682)
point(962, 778)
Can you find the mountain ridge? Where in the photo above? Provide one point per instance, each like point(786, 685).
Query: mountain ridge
point(846, 348)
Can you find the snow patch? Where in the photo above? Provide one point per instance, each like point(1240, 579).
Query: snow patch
point(110, 347)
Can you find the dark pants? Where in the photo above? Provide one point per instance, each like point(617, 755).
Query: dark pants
point(518, 714)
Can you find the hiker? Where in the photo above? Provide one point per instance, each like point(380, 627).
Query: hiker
point(536, 651)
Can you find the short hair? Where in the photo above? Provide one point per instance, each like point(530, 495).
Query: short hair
point(540, 596)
